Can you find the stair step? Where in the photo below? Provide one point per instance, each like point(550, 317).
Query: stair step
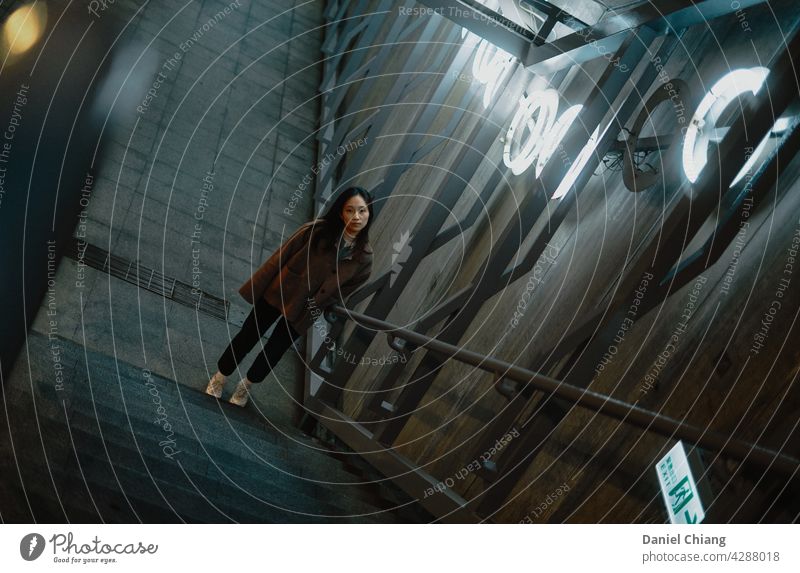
point(253, 455)
point(313, 463)
point(207, 502)
point(46, 505)
point(407, 509)
point(84, 435)
point(219, 445)
point(321, 498)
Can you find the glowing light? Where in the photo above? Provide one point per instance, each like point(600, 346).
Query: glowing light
point(23, 28)
point(491, 64)
point(490, 67)
point(546, 103)
point(543, 134)
point(577, 167)
point(703, 127)
point(781, 125)
point(555, 135)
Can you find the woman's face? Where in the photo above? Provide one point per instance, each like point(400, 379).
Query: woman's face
point(355, 214)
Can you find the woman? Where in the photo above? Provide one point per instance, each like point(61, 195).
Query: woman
point(320, 264)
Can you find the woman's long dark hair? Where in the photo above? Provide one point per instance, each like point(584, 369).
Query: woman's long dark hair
point(333, 228)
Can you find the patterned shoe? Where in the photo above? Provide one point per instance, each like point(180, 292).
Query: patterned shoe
point(215, 385)
point(242, 393)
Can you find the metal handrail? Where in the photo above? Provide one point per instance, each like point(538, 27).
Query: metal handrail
point(601, 403)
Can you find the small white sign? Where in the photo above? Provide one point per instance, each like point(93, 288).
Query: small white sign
point(679, 488)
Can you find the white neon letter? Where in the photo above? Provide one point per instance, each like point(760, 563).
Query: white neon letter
point(702, 129)
point(580, 162)
point(555, 135)
point(781, 125)
point(490, 67)
point(546, 103)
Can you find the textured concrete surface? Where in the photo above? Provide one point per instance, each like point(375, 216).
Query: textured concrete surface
point(118, 443)
point(200, 166)
point(197, 179)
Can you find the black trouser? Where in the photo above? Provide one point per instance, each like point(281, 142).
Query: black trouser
point(255, 326)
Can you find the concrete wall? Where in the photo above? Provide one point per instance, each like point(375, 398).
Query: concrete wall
point(222, 143)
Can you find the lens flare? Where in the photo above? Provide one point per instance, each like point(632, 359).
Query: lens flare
point(23, 28)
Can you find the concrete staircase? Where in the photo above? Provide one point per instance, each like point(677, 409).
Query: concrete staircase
point(114, 443)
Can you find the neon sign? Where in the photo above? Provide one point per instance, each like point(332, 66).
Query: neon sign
point(535, 132)
point(490, 68)
point(577, 167)
point(544, 132)
point(781, 125)
point(491, 64)
point(703, 129)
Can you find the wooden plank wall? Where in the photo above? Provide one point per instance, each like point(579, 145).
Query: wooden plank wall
point(592, 468)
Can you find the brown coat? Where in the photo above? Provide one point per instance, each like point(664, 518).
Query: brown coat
point(303, 282)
